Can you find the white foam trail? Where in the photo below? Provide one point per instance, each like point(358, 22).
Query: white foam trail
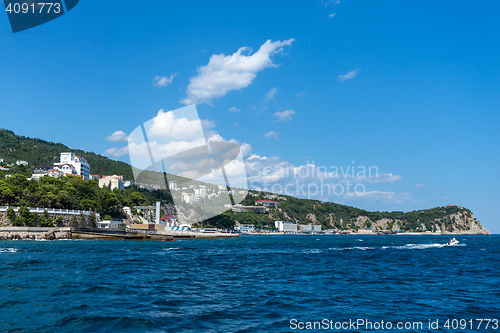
point(171, 248)
point(8, 250)
point(420, 246)
point(362, 248)
point(398, 247)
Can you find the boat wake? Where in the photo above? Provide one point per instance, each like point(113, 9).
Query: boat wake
point(397, 247)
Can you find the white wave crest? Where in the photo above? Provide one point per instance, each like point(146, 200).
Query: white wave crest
point(8, 250)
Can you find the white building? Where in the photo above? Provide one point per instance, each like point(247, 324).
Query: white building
point(22, 163)
point(127, 210)
point(200, 191)
point(286, 226)
point(128, 183)
point(66, 169)
point(185, 196)
point(195, 199)
point(310, 228)
point(245, 228)
point(1, 160)
point(113, 181)
point(213, 195)
point(110, 224)
point(55, 173)
point(191, 198)
point(80, 164)
point(222, 187)
point(173, 185)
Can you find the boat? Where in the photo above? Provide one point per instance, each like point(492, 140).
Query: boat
point(452, 242)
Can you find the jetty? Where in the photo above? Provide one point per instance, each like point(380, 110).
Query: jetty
point(44, 233)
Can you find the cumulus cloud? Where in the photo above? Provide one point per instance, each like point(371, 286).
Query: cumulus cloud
point(332, 15)
point(272, 134)
point(284, 116)
point(116, 152)
point(167, 126)
point(270, 95)
point(420, 185)
point(118, 136)
point(308, 180)
point(233, 72)
point(163, 81)
point(349, 76)
point(234, 109)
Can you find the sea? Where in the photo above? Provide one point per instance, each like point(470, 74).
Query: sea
point(293, 283)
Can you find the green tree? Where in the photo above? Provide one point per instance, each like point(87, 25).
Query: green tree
point(74, 221)
point(18, 222)
point(6, 194)
point(10, 213)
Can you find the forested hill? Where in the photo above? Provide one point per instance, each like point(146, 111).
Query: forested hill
point(39, 153)
point(453, 219)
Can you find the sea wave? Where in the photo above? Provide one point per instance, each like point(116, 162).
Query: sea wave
point(360, 248)
point(8, 250)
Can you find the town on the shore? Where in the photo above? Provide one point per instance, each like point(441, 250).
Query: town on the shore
point(162, 218)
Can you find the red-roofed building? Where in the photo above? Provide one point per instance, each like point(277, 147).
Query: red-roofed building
point(112, 181)
point(169, 220)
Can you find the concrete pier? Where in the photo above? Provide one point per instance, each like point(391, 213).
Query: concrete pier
point(11, 233)
point(185, 234)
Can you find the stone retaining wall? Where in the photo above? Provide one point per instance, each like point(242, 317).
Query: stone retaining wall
point(67, 220)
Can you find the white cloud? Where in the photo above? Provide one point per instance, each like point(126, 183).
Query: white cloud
point(270, 95)
point(233, 72)
point(301, 95)
point(349, 76)
point(163, 81)
point(332, 15)
point(234, 109)
point(118, 136)
point(284, 116)
point(272, 134)
point(208, 127)
point(388, 178)
point(328, 2)
point(167, 126)
point(116, 152)
point(314, 181)
point(388, 198)
point(420, 185)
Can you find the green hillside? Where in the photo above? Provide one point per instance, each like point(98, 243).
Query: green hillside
point(39, 153)
point(72, 194)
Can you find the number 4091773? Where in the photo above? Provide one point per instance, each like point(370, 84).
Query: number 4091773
point(35, 8)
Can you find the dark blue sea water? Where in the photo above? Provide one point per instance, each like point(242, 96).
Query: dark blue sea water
point(249, 284)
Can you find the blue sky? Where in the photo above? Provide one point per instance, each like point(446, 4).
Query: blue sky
point(410, 87)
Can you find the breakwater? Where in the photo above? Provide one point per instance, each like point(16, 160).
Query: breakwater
point(39, 233)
